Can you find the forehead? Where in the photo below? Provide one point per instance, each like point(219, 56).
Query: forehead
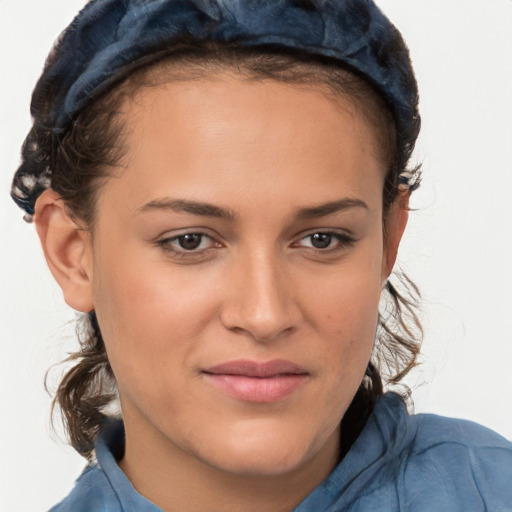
point(227, 135)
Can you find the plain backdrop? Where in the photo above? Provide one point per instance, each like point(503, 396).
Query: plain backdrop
point(458, 247)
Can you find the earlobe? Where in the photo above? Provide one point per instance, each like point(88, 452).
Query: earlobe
point(394, 225)
point(67, 250)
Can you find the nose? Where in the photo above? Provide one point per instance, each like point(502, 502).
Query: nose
point(260, 300)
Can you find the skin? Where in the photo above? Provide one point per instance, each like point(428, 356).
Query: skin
point(268, 155)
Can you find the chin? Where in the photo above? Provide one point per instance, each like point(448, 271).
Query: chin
point(262, 463)
point(270, 451)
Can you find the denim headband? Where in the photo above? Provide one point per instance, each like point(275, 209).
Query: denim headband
point(109, 36)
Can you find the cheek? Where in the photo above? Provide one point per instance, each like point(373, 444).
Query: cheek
point(350, 325)
point(351, 309)
point(148, 317)
point(132, 294)
point(346, 298)
point(344, 312)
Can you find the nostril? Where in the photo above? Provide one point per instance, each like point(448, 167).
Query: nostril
point(261, 302)
point(260, 325)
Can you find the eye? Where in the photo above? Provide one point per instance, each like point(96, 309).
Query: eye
point(320, 240)
point(326, 241)
point(187, 243)
point(190, 241)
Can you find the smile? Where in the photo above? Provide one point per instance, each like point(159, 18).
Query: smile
point(251, 381)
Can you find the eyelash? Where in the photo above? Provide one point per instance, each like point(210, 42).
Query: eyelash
point(343, 241)
point(166, 245)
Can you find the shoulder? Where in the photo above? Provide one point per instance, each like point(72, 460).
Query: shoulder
point(103, 487)
point(92, 492)
point(456, 461)
point(427, 462)
point(419, 463)
point(432, 429)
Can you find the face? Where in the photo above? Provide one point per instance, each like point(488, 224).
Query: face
point(236, 268)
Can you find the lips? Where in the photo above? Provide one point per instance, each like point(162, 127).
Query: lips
point(252, 381)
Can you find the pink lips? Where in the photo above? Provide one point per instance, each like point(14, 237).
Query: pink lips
point(252, 381)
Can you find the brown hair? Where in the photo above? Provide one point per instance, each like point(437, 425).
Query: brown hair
point(92, 149)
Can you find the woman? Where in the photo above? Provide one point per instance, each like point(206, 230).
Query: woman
point(226, 206)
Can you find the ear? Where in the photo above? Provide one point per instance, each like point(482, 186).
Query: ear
point(394, 226)
point(67, 248)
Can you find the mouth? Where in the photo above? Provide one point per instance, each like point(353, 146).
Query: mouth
point(252, 381)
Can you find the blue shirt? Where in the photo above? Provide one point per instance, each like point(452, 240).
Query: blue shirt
point(419, 463)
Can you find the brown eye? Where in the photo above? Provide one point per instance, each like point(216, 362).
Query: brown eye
point(321, 240)
point(190, 241)
point(326, 241)
point(187, 243)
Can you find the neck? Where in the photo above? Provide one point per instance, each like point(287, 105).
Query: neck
point(174, 480)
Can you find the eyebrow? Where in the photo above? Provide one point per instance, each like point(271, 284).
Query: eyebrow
point(210, 210)
point(330, 208)
point(193, 207)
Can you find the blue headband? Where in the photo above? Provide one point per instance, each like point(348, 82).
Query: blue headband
point(109, 36)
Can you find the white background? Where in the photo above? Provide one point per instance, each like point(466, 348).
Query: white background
point(458, 247)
